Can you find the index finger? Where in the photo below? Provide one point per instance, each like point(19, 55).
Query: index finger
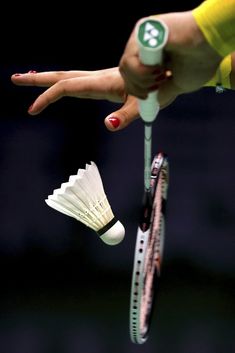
point(45, 79)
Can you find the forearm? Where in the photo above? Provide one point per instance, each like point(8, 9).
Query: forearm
point(216, 20)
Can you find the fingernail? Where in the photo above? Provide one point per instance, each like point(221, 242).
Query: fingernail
point(161, 77)
point(115, 122)
point(158, 70)
point(154, 87)
point(32, 72)
point(30, 108)
point(17, 74)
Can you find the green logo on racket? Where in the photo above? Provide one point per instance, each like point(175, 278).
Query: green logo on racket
point(151, 34)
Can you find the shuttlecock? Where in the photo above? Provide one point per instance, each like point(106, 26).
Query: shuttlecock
point(83, 198)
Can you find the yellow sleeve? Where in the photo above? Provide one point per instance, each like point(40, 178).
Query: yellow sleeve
point(216, 19)
point(222, 76)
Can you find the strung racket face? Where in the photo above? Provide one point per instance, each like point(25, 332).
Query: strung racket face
point(149, 252)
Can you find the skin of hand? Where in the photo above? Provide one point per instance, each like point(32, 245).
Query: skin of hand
point(190, 61)
point(187, 56)
point(104, 84)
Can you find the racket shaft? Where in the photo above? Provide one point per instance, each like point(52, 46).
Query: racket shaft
point(146, 213)
point(147, 155)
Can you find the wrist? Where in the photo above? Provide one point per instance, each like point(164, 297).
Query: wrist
point(185, 34)
point(189, 56)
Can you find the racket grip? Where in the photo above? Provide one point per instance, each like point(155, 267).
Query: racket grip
point(152, 36)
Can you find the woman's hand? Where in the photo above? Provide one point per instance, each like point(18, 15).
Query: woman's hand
point(105, 84)
point(102, 84)
point(188, 64)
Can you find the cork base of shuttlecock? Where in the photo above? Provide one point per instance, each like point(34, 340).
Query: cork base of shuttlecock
point(113, 233)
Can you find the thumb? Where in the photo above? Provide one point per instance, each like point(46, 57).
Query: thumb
point(121, 118)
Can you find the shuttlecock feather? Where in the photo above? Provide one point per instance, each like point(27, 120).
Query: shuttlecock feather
point(83, 198)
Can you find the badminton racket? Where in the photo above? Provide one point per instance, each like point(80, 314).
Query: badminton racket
point(151, 37)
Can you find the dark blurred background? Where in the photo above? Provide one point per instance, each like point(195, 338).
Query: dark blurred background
point(62, 289)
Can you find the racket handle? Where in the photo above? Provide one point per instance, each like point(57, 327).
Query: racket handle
point(152, 35)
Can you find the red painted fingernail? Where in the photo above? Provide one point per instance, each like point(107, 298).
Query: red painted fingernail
point(154, 87)
point(17, 74)
point(115, 122)
point(32, 72)
point(158, 70)
point(161, 77)
point(30, 108)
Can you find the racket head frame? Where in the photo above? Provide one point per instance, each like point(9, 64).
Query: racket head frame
point(149, 245)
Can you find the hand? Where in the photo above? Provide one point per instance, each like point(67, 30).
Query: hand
point(189, 61)
point(102, 84)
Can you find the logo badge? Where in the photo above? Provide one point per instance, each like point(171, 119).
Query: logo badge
point(151, 34)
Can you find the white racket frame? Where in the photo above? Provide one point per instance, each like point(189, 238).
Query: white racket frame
point(139, 298)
